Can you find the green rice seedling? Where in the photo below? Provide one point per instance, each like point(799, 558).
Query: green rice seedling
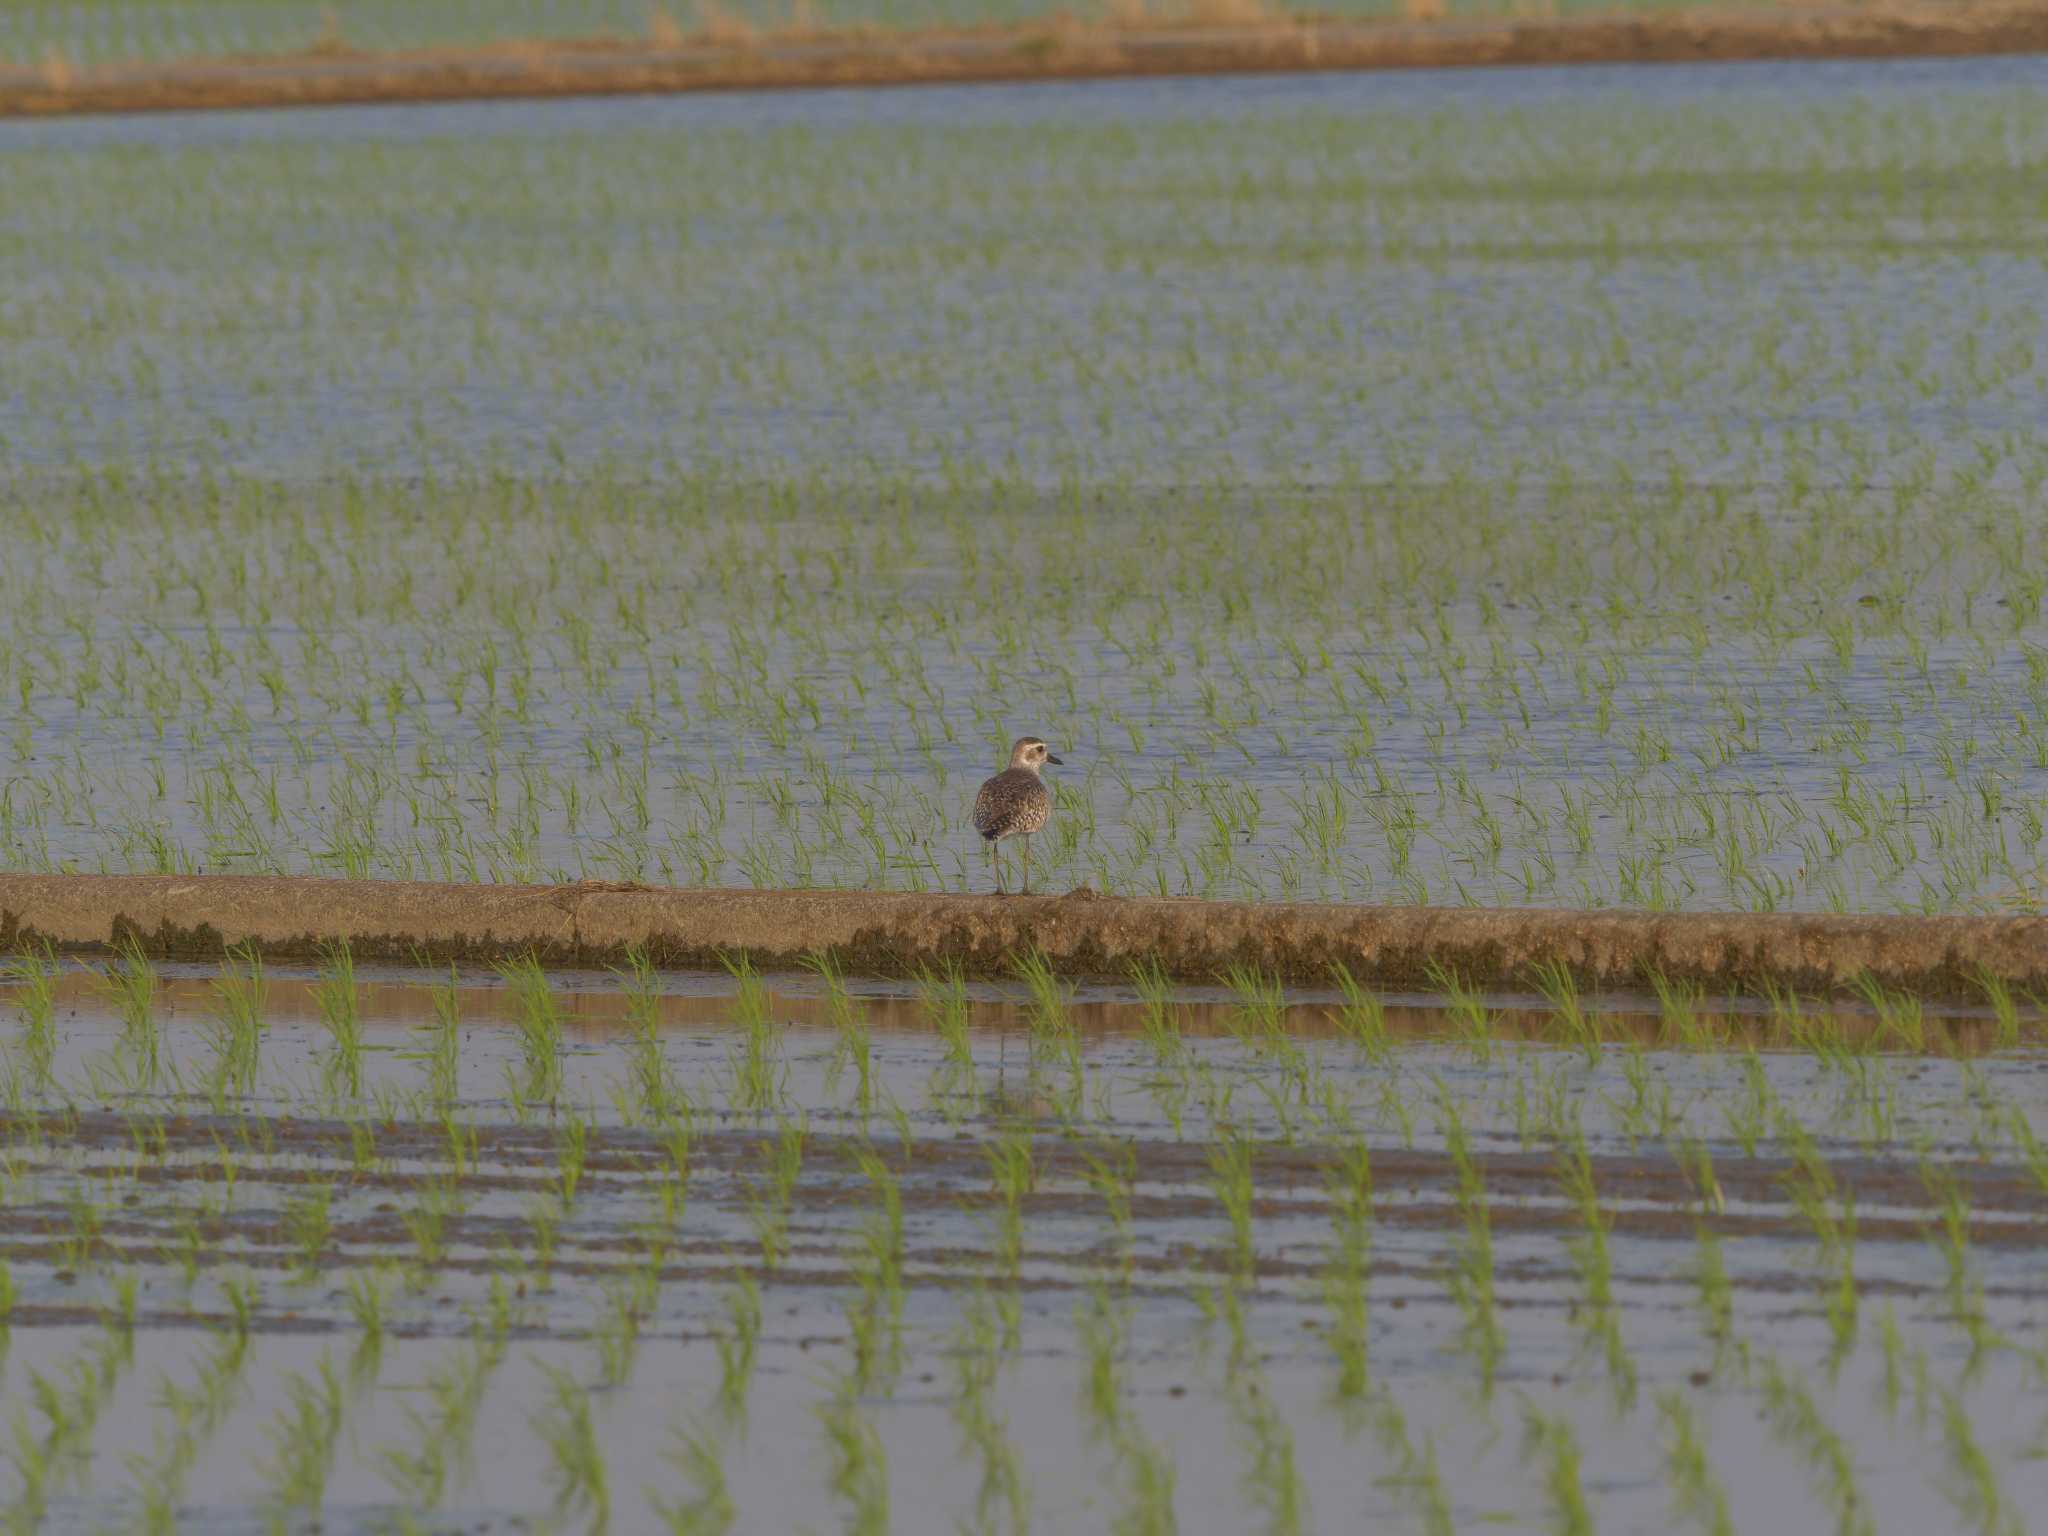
point(1548, 1439)
point(977, 1352)
point(308, 1225)
point(2005, 1011)
point(492, 1322)
point(769, 1211)
point(1258, 1016)
point(1899, 1015)
point(34, 974)
point(1363, 1018)
point(1148, 1492)
point(1830, 1212)
point(538, 1014)
point(1791, 1023)
point(368, 1301)
point(651, 1082)
point(2031, 1147)
point(1749, 1117)
point(572, 1149)
point(708, 1508)
point(1223, 1302)
point(1697, 1496)
point(1648, 1110)
point(120, 1315)
point(442, 1060)
point(1346, 1276)
point(1100, 1329)
point(1271, 1479)
point(339, 1004)
point(1678, 1012)
point(426, 1222)
point(1050, 997)
point(132, 983)
point(942, 1003)
point(1560, 989)
point(240, 1293)
point(1393, 1106)
point(1417, 1478)
point(1795, 1417)
point(183, 1424)
point(234, 1030)
point(621, 1312)
point(1230, 1181)
point(1013, 1174)
point(83, 1241)
point(441, 1425)
point(1696, 1159)
point(543, 1221)
point(34, 1473)
point(362, 1146)
point(1952, 1238)
point(1598, 1313)
point(881, 1270)
point(1471, 1280)
point(567, 1428)
point(1158, 1019)
point(757, 1072)
point(737, 1346)
point(1892, 1346)
point(460, 1140)
point(854, 1045)
point(191, 1246)
point(1471, 1023)
point(859, 1475)
point(302, 1441)
point(1972, 1486)
point(678, 1137)
point(1111, 1172)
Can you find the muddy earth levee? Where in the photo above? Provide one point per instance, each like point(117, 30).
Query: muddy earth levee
point(1082, 934)
point(1057, 48)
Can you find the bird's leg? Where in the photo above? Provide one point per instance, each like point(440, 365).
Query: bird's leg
point(995, 862)
point(1027, 863)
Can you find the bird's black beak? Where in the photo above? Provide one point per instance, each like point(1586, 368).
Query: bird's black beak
point(1051, 759)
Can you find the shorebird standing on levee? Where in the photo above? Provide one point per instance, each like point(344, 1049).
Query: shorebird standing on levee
point(1015, 803)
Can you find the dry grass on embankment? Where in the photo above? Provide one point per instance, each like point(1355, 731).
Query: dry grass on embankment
point(1203, 38)
point(1082, 934)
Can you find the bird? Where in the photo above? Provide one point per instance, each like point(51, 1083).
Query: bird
point(1015, 803)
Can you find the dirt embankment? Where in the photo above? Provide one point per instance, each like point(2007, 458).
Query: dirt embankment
point(1081, 934)
point(736, 57)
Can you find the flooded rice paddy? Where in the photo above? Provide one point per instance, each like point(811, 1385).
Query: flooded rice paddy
point(1616, 487)
point(1619, 487)
point(637, 1251)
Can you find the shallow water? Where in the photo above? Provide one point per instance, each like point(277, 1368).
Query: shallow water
point(509, 1240)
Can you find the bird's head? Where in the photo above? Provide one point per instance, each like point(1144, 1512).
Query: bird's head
point(1030, 752)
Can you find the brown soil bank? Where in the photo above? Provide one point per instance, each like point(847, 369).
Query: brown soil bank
point(1082, 934)
point(739, 58)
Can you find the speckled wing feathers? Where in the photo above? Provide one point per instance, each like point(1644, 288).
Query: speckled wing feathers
point(1014, 802)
